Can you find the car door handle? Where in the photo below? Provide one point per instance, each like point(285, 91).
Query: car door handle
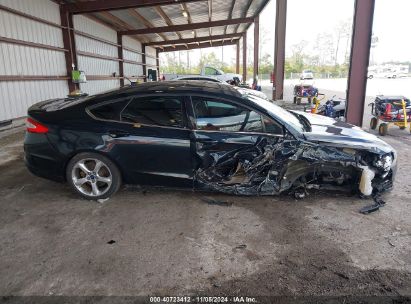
point(118, 133)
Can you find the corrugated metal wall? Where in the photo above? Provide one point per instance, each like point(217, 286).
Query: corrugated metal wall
point(27, 61)
point(150, 60)
point(96, 66)
point(132, 70)
point(17, 60)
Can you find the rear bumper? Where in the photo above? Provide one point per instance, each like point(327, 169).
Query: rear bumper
point(32, 164)
point(42, 159)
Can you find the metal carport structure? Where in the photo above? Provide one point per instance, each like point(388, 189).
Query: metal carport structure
point(217, 22)
point(172, 25)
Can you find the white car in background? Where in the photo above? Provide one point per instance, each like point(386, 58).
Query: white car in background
point(211, 79)
point(307, 74)
point(386, 74)
point(211, 72)
point(394, 74)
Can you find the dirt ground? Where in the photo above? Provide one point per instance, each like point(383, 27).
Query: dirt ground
point(171, 242)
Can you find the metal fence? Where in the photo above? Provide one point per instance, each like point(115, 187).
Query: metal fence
point(297, 76)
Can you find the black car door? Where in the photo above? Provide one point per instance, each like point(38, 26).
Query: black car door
point(151, 141)
point(234, 146)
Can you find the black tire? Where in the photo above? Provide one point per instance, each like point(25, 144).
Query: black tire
point(107, 171)
point(402, 128)
point(309, 100)
point(298, 100)
point(340, 113)
point(373, 123)
point(295, 99)
point(383, 129)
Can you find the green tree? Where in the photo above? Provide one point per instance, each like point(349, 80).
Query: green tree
point(266, 64)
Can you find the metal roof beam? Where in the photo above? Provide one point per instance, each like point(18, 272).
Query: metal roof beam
point(230, 14)
point(185, 8)
point(198, 46)
point(110, 5)
point(258, 12)
point(210, 14)
point(136, 14)
point(166, 19)
point(244, 13)
point(119, 23)
point(186, 27)
point(193, 40)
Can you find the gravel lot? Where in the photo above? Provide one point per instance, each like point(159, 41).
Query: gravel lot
point(171, 242)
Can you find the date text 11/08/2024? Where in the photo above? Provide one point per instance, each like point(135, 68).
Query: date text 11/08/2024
point(202, 299)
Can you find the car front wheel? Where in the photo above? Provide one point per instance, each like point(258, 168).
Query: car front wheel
point(93, 176)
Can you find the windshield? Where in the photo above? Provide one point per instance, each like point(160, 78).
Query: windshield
point(278, 112)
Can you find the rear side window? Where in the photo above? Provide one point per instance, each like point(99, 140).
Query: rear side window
point(158, 111)
point(110, 110)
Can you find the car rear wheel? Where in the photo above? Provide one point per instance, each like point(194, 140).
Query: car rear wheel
point(93, 176)
point(373, 123)
point(383, 129)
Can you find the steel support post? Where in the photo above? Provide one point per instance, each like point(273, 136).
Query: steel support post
point(279, 49)
point(256, 46)
point(360, 54)
point(69, 44)
point(245, 57)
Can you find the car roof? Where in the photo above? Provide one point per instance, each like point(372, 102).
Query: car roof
point(182, 86)
point(197, 77)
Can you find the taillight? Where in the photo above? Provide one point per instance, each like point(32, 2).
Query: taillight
point(35, 127)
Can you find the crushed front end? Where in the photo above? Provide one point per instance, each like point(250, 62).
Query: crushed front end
point(272, 165)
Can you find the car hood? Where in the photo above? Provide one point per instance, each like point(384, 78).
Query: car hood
point(341, 134)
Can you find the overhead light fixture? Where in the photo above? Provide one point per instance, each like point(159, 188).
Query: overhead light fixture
point(185, 14)
point(192, 32)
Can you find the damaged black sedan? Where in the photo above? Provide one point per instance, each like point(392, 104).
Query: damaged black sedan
point(204, 136)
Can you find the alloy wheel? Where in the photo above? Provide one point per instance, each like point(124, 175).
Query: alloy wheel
point(91, 177)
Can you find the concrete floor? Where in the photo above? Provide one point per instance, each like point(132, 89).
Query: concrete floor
point(171, 242)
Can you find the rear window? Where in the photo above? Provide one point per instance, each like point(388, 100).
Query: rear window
point(111, 110)
point(158, 111)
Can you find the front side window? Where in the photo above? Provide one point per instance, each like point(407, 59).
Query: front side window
point(159, 111)
point(216, 115)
